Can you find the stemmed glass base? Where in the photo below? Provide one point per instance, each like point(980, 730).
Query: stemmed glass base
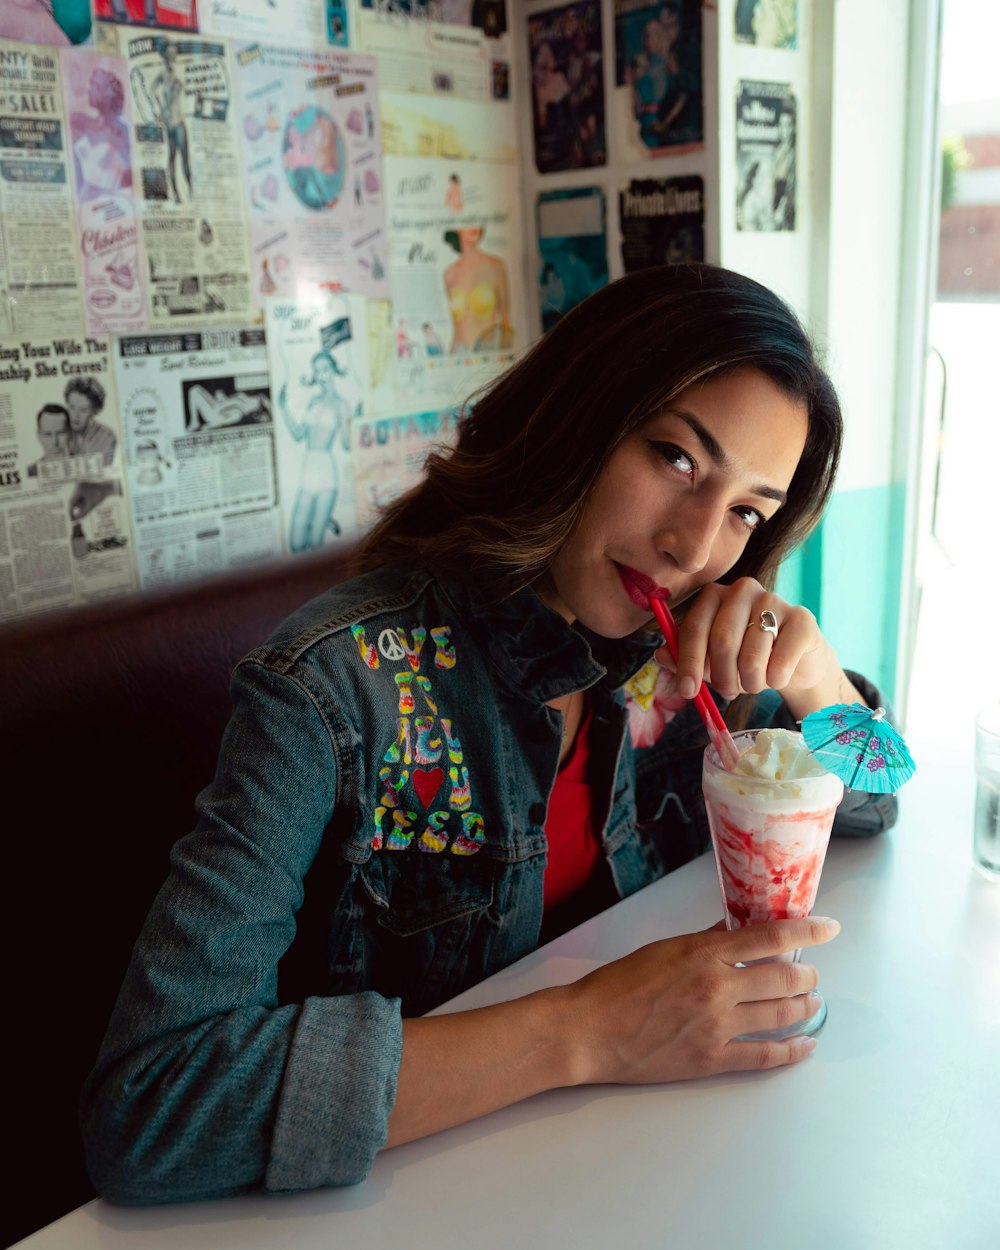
point(798, 1028)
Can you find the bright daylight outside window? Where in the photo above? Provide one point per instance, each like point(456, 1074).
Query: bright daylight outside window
point(956, 660)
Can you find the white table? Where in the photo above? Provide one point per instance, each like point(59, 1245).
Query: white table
point(888, 1137)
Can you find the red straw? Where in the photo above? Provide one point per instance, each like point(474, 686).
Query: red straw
point(721, 738)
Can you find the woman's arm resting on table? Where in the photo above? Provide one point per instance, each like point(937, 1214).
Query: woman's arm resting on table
point(667, 1012)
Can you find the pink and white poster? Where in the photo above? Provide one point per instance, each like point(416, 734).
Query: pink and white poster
point(309, 122)
point(100, 141)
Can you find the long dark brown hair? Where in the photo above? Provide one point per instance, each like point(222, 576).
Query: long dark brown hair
point(502, 503)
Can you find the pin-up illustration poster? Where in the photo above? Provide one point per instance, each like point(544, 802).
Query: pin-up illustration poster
point(662, 221)
point(100, 136)
point(173, 15)
point(303, 23)
point(186, 163)
point(311, 145)
point(454, 251)
point(573, 249)
point(319, 386)
point(567, 87)
point(658, 77)
point(765, 156)
point(768, 23)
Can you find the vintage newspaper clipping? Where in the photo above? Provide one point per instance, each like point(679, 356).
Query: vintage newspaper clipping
point(64, 533)
point(765, 156)
point(573, 249)
point(567, 87)
point(319, 369)
point(445, 49)
point(658, 105)
point(305, 23)
point(455, 246)
point(312, 148)
point(100, 133)
point(767, 23)
point(39, 278)
point(388, 455)
point(179, 14)
point(199, 447)
point(662, 221)
point(188, 182)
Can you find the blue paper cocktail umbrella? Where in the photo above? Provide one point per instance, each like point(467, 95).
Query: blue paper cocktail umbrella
point(858, 745)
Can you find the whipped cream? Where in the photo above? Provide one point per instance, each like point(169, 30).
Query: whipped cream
point(779, 755)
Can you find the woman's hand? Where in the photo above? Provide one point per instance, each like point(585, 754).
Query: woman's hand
point(666, 1012)
point(721, 641)
point(670, 1010)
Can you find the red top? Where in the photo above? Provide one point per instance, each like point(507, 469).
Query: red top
point(573, 848)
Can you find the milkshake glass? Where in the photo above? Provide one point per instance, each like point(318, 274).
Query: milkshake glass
point(770, 834)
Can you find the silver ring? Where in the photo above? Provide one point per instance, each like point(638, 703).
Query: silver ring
point(768, 623)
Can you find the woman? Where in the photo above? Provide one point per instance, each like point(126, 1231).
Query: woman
point(405, 751)
point(85, 398)
point(324, 422)
point(476, 286)
point(101, 146)
point(168, 92)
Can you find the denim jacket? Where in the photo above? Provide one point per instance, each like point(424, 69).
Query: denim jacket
point(371, 845)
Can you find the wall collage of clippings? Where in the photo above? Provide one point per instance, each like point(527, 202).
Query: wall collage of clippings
point(255, 257)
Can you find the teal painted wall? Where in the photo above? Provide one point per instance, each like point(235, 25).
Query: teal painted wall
point(849, 574)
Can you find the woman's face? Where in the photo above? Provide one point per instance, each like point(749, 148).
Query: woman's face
point(80, 411)
point(98, 97)
point(678, 500)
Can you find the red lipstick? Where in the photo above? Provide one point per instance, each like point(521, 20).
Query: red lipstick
point(638, 586)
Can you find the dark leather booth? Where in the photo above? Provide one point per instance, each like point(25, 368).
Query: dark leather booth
point(110, 724)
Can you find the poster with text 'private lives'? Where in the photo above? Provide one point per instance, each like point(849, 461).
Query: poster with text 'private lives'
point(309, 122)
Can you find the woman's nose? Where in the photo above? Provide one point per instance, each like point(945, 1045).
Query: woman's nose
point(691, 537)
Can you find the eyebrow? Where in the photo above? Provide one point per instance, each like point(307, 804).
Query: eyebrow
point(721, 458)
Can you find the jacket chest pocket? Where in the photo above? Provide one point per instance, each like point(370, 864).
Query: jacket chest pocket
point(414, 892)
point(430, 932)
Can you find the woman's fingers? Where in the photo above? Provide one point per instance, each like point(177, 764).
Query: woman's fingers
point(721, 639)
point(670, 1009)
point(775, 1013)
point(751, 1056)
point(780, 979)
point(764, 941)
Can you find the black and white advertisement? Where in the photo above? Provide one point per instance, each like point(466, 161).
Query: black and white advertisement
point(199, 451)
point(766, 156)
point(662, 221)
point(64, 532)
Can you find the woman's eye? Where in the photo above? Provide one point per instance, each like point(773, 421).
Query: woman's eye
point(750, 517)
point(675, 457)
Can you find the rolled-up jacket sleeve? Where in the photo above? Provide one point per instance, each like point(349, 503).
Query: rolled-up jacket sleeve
point(205, 1086)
